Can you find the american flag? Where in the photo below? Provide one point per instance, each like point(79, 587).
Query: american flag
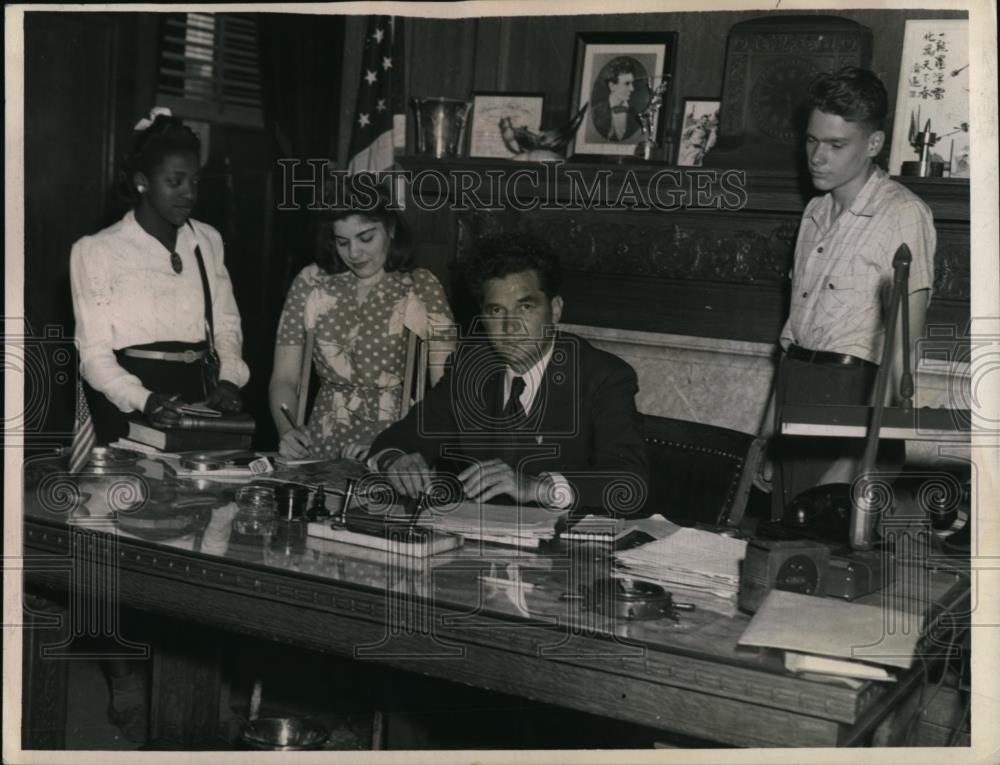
point(83, 433)
point(380, 96)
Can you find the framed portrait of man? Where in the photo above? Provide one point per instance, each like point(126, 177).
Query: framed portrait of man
point(617, 75)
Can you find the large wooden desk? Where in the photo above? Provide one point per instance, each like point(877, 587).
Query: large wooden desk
point(432, 616)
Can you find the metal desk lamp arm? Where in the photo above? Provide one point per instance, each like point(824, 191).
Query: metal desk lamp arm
point(862, 517)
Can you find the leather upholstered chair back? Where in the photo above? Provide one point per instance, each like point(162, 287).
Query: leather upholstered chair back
point(699, 474)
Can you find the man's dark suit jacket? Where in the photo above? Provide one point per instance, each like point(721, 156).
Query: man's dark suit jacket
point(600, 113)
point(582, 424)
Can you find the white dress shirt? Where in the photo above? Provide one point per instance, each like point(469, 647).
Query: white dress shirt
point(532, 381)
point(561, 492)
point(126, 293)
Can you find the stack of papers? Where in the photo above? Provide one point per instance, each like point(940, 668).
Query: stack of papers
point(697, 566)
point(853, 673)
point(848, 632)
point(497, 524)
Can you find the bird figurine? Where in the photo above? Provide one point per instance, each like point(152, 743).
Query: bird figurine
point(547, 145)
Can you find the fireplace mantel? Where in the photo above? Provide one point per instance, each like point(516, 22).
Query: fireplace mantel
point(774, 191)
point(710, 257)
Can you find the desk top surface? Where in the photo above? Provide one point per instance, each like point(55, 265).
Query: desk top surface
point(202, 513)
point(197, 517)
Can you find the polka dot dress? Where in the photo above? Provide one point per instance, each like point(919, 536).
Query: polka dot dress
point(360, 349)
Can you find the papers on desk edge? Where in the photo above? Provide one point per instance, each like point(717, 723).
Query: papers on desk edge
point(834, 628)
point(697, 566)
point(810, 664)
point(513, 525)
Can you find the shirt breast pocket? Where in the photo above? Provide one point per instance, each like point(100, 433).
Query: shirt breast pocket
point(845, 292)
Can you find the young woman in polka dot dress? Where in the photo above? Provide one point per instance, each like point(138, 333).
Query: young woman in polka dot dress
point(358, 298)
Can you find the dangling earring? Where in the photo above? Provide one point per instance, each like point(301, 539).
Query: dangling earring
point(141, 189)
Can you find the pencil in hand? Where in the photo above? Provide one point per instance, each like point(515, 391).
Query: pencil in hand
point(299, 436)
point(288, 416)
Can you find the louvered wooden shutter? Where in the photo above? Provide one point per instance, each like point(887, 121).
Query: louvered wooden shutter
point(209, 67)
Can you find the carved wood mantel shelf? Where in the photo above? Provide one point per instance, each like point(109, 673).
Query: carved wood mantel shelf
point(654, 247)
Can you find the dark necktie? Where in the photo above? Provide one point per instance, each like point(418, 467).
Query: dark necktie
point(513, 411)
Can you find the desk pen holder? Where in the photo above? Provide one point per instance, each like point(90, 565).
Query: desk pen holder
point(292, 501)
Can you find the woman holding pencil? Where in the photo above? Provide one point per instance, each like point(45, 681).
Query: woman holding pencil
point(355, 303)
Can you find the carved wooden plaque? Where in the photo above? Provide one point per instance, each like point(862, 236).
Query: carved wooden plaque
point(770, 63)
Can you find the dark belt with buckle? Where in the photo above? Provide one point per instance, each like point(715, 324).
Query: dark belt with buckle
point(799, 353)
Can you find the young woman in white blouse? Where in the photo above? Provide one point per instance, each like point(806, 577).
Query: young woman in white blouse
point(138, 297)
point(141, 322)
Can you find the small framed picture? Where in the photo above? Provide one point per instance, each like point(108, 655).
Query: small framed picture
point(622, 77)
point(495, 117)
point(698, 131)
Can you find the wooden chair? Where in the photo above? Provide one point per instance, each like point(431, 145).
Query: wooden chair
point(305, 372)
point(699, 474)
point(415, 376)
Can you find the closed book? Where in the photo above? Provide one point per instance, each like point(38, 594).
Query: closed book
point(221, 422)
point(170, 440)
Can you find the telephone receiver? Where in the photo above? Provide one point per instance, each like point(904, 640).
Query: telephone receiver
point(821, 513)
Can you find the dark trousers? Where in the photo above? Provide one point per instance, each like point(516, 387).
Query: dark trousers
point(170, 377)
point(801, 461)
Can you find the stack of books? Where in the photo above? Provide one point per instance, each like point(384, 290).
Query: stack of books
point(700, 567)
point(226, 432)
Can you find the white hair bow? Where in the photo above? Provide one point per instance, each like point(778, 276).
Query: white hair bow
point(155, 112)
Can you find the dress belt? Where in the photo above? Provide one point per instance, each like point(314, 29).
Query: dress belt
point(799, 353)
point(187, 357)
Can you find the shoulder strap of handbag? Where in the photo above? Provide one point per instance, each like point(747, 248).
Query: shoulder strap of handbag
point(207, 292)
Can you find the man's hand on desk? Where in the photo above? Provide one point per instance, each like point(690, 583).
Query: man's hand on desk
point(485, 480)
point(409, 474)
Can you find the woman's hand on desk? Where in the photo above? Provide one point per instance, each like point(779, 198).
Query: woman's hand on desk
point(296, 444)
point(225, 397)
point(160, 404)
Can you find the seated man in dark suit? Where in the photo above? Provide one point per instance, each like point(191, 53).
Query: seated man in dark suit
point(524, 411)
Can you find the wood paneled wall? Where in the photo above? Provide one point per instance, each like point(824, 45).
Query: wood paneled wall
point(81, 76)
point(456, 57)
